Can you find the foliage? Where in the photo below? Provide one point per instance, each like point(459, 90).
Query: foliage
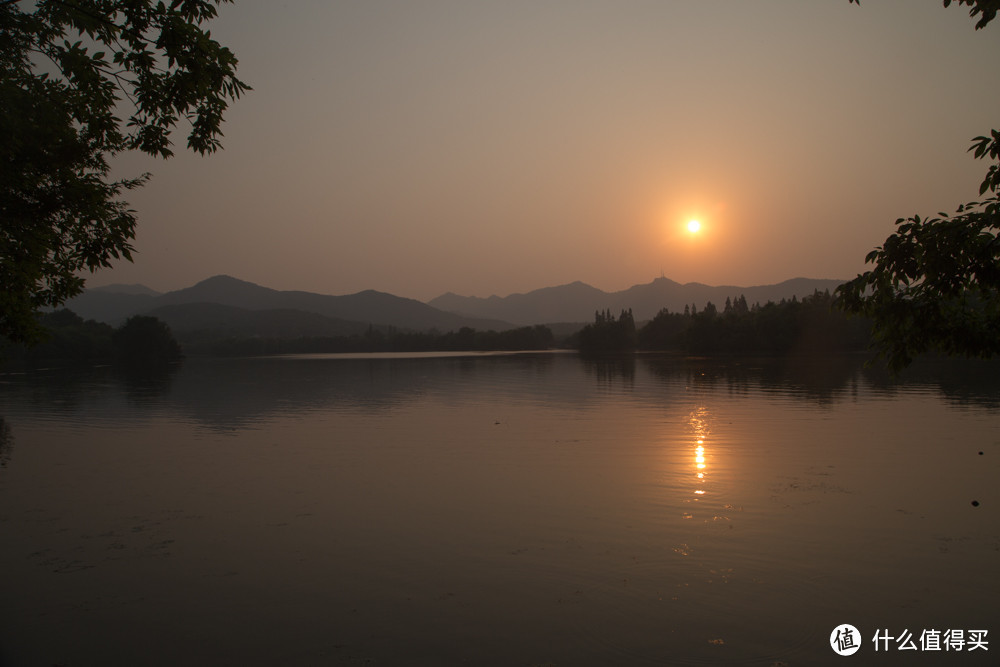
point(68, 70)
point(809, 326)
point(986, 10)
point(935, 285)
point(538, 337)
point(145, 340)
point(67, 336)
point(608, 334)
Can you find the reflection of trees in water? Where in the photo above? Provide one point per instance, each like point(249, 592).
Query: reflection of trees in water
point(824, 379)
point(820, 379)
point(87, 393)
point(233, 393)
point(228, 394)
point(61, 390)
point(146, 383)
point(829, 379)
point(960, 381)
point(607, 369)
point(6, 443)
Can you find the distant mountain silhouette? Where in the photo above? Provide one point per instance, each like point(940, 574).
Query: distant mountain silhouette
point(119, 288)
point(111, 307)
point(574, 302)
point(216, 303)
point(232, 307)
point(220, 320)
point(577, 302)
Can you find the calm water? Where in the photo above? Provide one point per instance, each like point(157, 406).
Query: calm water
point(495, 510)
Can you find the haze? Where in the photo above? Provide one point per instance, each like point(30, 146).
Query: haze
point(491, 148)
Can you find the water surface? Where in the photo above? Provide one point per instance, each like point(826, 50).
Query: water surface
point(527, 509)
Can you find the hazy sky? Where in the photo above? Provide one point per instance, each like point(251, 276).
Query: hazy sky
point(417, 147)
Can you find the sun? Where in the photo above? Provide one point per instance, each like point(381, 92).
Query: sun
point(693, 226)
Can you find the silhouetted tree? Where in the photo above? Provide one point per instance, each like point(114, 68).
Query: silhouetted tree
point(608, 334)
point(935, 282)
point(538, 337)
point(626, 326)
point(145, 340)
point(986, 10)
point(66, 335)
point(81, 81)
point(740, 306)
point(809, 326)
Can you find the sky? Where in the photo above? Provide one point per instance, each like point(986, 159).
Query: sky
point(418, 147)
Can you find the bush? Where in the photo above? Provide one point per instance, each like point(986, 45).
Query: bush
point(145, 340)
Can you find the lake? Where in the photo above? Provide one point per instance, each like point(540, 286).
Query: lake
point(507, 509)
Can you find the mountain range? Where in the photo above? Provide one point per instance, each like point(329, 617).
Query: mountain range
point(577, 302)
point(223, 305)
point(226, 305)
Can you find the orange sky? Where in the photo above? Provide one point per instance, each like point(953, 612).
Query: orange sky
point(485, 148)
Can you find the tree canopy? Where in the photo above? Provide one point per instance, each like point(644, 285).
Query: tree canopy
point(985, 10)
point(608, 334)
point(70, 70)
point(935, 282)
point(145, 340)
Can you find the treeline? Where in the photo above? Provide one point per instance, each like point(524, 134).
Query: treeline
point(144, 339)
point(140, 340)
point(810, 325)
point(608, 333)
point(538, 337)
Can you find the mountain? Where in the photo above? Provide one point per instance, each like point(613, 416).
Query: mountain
point(577, 302)
point(119, 288)
point(232, 307)
point(218, 302)
point(224, 321)
point(111, 307)
point(567, 303)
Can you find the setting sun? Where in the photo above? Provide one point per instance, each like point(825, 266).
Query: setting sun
point(693, 226)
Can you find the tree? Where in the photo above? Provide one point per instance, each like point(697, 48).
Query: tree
point(986, 10)
point(68, 337)
point(68, 70)
point(145, 340)
point(740, 306)
point(935, 285)
point(608, 334)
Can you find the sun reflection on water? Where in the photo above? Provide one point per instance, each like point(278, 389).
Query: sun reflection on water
point(698, 425)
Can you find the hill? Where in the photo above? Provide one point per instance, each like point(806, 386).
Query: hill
point(577, 301)
point(224, 302)
point(119, 288)
point(223, 305)
point(218, 320)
